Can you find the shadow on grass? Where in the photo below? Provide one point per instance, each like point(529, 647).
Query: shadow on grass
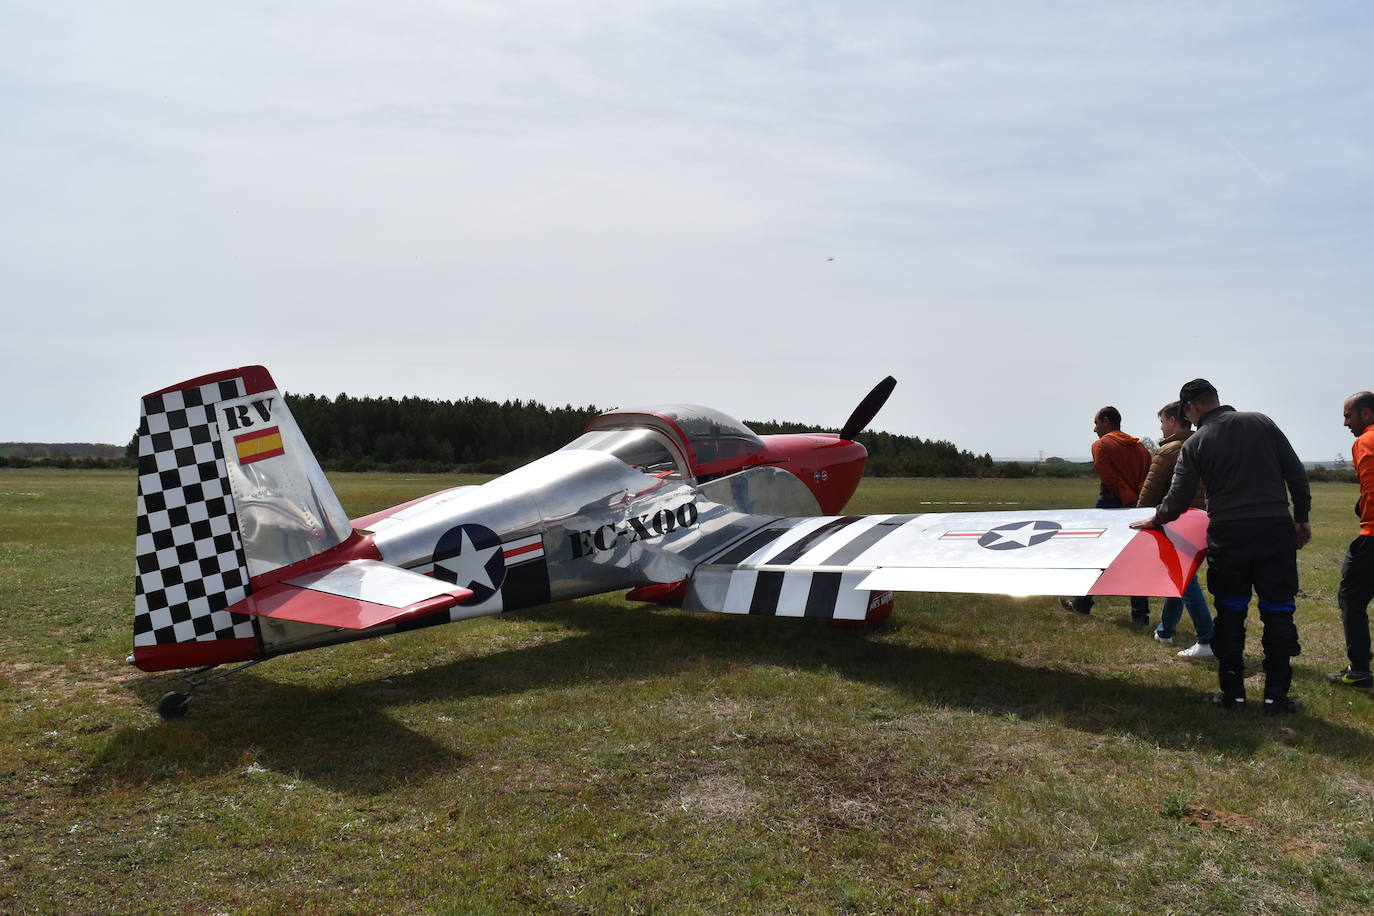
point(342, 737)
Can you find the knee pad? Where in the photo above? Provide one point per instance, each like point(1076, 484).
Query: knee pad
point(1233, 605)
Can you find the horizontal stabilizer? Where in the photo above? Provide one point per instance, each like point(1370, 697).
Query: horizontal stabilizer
point(356, 595)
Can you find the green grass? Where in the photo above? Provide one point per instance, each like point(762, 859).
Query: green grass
point(978, 755)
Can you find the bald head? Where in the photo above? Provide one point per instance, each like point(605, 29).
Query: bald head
point(1359, 412)
point(1106, 420)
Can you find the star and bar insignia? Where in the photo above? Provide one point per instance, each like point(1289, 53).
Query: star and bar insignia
point(1017, 535)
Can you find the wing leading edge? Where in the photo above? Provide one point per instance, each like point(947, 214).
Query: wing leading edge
point(829, 566)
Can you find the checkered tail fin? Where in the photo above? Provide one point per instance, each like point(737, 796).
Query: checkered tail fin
point(228, 491)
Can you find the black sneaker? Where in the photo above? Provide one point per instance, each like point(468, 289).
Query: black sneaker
point(1071, 604)
point(1347, 678)
point(1140, 620)
point(1230, 704)
point(1278, 706)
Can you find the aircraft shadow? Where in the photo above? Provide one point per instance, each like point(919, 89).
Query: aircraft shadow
point(240, 721)
point(304, 732)
point(1179, 717)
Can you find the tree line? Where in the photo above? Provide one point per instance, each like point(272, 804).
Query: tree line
point(59, 450)
point(418, 434)
point(475, 434)
point(414, 434)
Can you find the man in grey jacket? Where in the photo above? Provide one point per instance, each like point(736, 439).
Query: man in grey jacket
point(1250, 471)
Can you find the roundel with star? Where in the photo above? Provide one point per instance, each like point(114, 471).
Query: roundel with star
point(470, 557)
point(1018, 535)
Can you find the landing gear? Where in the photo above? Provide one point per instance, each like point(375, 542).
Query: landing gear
point(175, 705)
point(880, 606)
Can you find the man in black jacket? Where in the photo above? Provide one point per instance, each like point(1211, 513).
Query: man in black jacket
point(1250, 470)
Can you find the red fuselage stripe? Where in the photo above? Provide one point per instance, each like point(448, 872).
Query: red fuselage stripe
point(165, 656)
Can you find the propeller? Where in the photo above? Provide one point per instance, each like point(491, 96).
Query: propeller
point(868, 408)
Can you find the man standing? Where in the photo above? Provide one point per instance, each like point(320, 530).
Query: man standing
point(1246, 462)
point(1357, 569)
point(1121, 462)
point(1176, 430)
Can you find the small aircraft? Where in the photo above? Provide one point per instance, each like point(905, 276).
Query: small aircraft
point(244, 553)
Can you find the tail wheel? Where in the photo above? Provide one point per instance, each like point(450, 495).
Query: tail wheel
point(174, 705)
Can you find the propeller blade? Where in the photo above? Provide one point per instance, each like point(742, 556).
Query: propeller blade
point(868, 408)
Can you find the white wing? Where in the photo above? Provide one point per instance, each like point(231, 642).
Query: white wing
point(827, 567)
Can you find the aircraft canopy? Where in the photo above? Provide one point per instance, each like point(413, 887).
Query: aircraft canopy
point(704, 442)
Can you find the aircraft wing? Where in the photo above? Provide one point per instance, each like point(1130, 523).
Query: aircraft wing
point(826, 567)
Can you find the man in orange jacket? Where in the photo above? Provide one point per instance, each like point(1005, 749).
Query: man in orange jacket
point(1357, 570)
point(1121, 462)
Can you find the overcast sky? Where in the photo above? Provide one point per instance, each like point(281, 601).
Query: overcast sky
point(1023, 211)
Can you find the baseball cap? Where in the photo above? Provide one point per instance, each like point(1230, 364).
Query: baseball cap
point(1197, 388)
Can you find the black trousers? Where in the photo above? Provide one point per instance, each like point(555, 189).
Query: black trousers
point(1140, 606)
point(1353, 596)
point(1259, 556)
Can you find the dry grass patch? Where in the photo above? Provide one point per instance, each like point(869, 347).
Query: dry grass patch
point(1217, 818)
point(718, 796)
point(819, 785)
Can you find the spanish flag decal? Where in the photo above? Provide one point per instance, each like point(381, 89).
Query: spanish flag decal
point(255, 446)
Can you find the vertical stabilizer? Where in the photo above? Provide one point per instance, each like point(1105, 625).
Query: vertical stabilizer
point(227, 490)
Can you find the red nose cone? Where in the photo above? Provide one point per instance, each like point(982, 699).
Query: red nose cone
point(830, 467)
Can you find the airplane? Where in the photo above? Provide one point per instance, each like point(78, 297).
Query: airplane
point(244, 553)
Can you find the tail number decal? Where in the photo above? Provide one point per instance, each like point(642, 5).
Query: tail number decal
point(636, 528)
point(240, 416)
point(260, 441)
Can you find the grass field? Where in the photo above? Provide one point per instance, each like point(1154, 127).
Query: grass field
point(976, 755)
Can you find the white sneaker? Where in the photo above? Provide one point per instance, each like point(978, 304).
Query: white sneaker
point(1167, 640)
point(1197, 650)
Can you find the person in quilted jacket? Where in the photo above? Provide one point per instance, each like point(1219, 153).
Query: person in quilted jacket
point(1175, 429)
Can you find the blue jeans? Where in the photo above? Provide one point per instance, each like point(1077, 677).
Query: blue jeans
point(1196, 602)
